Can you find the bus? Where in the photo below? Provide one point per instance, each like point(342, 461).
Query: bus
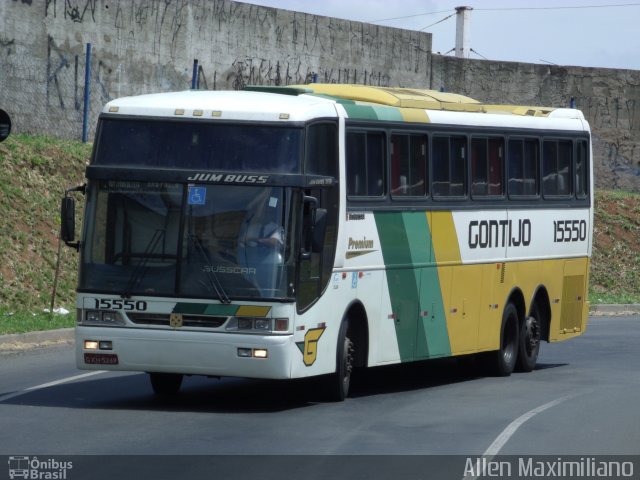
point(289, 232)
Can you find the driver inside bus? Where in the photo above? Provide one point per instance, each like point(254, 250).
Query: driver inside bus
point(262, 238)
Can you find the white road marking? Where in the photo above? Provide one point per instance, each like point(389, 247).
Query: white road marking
point(511, 429)
point(508, 432)
point(50, 384)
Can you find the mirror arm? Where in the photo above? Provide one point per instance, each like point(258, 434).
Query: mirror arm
point(80, 188)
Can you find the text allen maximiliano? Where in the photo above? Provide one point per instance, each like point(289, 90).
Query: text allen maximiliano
point(559, 467)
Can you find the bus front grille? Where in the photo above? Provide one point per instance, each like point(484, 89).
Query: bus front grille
point(163, 320)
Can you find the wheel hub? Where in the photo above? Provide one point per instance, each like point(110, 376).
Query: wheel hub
point(533, 333)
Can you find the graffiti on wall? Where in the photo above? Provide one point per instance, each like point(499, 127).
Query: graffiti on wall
point(617, 123)
point(611, 112)
point(66, 75)
point(149, 45)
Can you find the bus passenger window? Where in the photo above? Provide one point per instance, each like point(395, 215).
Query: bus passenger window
point(487, 159)
point(523, 167)
point(530, 167)
point(408, 165)
point(322, 150)
point(365, 164)
point(449, 167)
point(556, 166)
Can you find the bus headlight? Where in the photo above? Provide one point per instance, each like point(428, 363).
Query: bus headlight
point(263, 324)
point(102, 318)
point(257, 325)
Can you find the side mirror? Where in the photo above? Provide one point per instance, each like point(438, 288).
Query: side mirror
point(68, 220)
point(5, 125)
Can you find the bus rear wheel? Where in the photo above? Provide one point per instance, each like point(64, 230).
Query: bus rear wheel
point(503, 361)
point(529, 343)
point(165, 384)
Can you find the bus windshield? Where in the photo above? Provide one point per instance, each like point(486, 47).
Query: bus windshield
point(218, 242)
point(199, 145)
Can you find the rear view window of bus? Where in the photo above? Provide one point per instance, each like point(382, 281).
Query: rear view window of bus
point(408, 165)
point(556, 167)
point(365, 164)
point(449, 172)
point(523, 167)
point(582, 169)
point(487, 160)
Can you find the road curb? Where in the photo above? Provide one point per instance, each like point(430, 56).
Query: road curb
point(611, 310)
point(45, 336)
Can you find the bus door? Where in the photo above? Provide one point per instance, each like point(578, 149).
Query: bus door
point(432, 338)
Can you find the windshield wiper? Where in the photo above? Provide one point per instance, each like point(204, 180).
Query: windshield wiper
point(213, 278)
point(141, 269)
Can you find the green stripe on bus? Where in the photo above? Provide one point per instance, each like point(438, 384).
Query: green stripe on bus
point(414, 287)
point(433, 336)
point(417, 228)
point(401, 281)
point(389, 114)
point(363, 112)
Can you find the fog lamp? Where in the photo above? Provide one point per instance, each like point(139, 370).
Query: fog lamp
point(260, 353)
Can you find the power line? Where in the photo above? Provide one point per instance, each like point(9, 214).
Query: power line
point(506, 9)
point(439, 21)
point(479, 54)
point(565, 7)
point(409, 16)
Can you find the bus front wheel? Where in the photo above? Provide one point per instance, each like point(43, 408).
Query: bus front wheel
point(165, 384)
point(341, 379)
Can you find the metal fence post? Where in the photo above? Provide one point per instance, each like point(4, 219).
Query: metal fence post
point(87, 94)
point(194, 76)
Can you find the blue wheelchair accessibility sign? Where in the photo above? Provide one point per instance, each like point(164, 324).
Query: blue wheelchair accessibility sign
point(197, 195)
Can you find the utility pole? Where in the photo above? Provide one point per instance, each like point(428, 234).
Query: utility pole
point(463, 28)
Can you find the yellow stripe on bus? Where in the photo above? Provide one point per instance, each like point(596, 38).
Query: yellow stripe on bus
point(414, 115)
point(252, 311)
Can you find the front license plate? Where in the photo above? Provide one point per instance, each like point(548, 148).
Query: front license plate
point(101, 358)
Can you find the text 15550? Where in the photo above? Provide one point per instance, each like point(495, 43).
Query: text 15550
point(569, 231)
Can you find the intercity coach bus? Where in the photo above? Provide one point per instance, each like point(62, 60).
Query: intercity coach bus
point(288, 232)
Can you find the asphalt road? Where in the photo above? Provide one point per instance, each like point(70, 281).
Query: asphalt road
point(583, 399)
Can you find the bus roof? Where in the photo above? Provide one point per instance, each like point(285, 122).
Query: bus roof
point(316, 100)
point(425, 100)
point(225, 105)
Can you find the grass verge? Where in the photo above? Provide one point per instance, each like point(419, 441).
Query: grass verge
point(23, 322)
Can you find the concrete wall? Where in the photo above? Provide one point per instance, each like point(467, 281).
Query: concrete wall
point(142, 46)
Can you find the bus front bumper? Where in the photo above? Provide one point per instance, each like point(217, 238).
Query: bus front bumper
point(186, 352)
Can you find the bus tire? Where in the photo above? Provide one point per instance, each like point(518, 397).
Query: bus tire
point(529, 343)
point(165, 384)
point(340, 381)
point(504, 360)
